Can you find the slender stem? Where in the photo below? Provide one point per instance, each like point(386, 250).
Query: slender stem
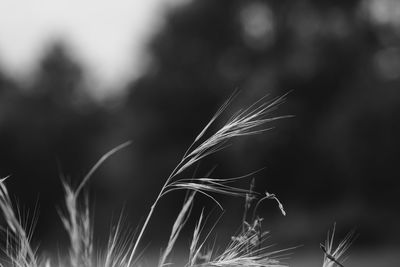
point(149, 215)
point(142, 231)
point(98, 164)
point(256, 207)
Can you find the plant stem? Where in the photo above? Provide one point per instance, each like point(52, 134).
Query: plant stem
point(149, 215)
point(142, 232)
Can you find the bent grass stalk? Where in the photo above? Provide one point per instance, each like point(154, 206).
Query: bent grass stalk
point(77, 222)
point(249, 121)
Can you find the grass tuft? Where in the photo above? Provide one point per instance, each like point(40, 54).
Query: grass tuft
point(248, 248)
point(18, 248)
point(77, 221)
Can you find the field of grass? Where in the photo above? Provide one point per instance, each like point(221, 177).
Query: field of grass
point(247, 247)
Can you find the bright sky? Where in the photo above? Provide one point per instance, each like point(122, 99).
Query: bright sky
point(107, 36)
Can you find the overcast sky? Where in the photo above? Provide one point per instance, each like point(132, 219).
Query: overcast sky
point(107, 36)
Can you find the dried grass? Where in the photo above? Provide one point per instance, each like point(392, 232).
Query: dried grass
point(247, 248)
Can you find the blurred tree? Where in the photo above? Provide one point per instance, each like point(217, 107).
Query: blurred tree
point(59, 78)
point(47, 129)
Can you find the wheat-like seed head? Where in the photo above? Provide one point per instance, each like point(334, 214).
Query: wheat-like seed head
point(334, 257)
point(176, 229)
point(249, 121)
point(77, 220)
point(18, 248)
point(247, 249)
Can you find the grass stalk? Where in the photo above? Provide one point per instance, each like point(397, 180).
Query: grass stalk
point(77, 220)
point(249, 121)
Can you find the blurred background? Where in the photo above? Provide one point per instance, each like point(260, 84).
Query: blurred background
point(78, 78)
